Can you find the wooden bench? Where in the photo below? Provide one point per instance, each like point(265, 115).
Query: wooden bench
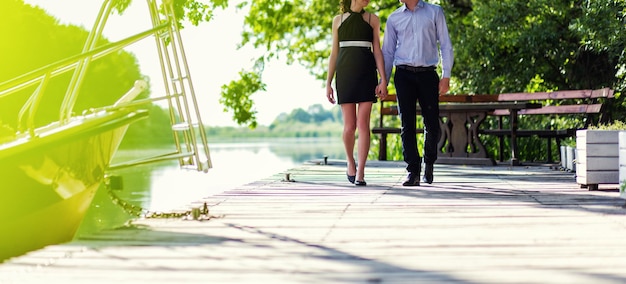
point(587, 106)
point(583, 103)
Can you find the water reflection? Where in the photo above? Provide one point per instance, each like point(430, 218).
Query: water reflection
point(163, 186)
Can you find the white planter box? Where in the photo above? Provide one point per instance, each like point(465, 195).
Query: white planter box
point(622, 164)
point(597, 157)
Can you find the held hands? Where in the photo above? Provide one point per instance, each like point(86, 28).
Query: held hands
point(381, 90)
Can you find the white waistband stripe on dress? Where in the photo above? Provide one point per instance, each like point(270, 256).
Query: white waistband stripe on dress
point(355, 43)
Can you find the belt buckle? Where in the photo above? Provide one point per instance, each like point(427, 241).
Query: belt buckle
point(408, 68)
point(414, 69)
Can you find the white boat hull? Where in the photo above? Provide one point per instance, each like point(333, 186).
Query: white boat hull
point(49, 181)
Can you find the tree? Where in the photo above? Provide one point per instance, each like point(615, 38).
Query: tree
point(32, 39)
point(539, 45)
point(300, 115)
point(319, 114)
point(315, 114)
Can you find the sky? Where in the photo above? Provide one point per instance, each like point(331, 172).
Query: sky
point(212, 55)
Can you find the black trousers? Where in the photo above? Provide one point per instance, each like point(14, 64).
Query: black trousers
point(413, 87)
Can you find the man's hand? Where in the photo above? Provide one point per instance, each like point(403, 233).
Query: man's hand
point(444, 86)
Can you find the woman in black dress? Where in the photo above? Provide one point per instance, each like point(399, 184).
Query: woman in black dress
point(356, 64)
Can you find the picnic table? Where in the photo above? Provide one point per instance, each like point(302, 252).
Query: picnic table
point(460, 141)
point(460, 120)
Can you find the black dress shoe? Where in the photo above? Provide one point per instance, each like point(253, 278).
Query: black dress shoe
point(428, 174)
point(360, 183)
point(413, 179)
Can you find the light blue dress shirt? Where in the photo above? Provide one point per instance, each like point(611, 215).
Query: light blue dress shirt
point(412, 38)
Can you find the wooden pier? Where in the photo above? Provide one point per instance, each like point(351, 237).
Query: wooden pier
point(474, 224)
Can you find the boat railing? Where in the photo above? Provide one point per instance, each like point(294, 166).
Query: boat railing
point(42, 76)
point(186, 124)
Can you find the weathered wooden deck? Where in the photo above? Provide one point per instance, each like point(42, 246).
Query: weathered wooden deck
point(473, 225)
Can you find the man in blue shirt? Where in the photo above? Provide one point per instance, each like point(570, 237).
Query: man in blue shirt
point(415, 36)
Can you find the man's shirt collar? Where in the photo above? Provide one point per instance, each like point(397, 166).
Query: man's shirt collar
point(420, 4)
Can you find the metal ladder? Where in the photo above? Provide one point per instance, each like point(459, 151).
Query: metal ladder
point(184, 113)
point(192, 149)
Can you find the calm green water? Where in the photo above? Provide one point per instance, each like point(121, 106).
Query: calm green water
point(163, 186)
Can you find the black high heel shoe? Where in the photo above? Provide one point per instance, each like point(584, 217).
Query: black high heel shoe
point(360, 183)
point(351, 179)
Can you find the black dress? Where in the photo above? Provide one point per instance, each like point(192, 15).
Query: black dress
point(356, 76)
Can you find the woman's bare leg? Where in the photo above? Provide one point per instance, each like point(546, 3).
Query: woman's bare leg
point(363, 126)
point(349, 128)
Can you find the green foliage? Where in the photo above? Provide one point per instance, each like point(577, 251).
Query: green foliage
point(236, 96)
point(152, 131)
point(311, 123)
point(47, 41)
point(319, 114)
point(288, 130)
point(191, 10)
point(509, 44)
point(299, 29)
point(32, 39)
point(512, 46)
point(316, 114)
point(615, 125)
point(197, 11)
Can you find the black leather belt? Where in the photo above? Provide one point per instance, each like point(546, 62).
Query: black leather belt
point(416, 69)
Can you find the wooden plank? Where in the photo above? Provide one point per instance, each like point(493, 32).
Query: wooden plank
point(543, 133)
point(603, 93)
point(560, 109)
point(558, 95)
point(458, 98)
point(391, 110)
point(484, 98)
point(465, 161)
point(389, 98)
point(386, 130)
point(392, 130)
point(564, 109)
